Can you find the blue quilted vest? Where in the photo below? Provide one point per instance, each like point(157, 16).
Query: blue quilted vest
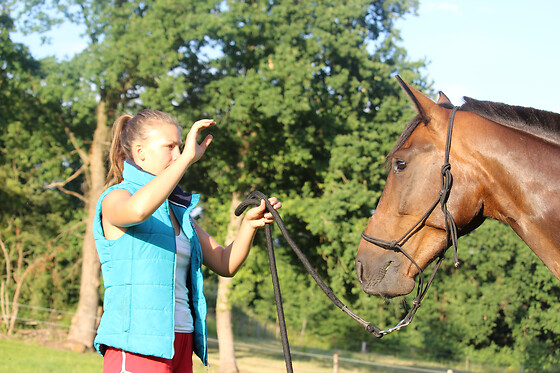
point(139, 277)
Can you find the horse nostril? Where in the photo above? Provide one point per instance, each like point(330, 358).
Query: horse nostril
point(359, 269)
point(388, 265)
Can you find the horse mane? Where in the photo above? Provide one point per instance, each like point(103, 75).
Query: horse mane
point(541, 123)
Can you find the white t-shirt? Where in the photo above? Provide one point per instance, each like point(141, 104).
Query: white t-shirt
point(183, 317)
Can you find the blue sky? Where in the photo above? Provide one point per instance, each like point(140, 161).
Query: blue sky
point(497, 50)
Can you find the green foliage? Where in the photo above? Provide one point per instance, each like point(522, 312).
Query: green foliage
point(37, 224)
point(307, 109)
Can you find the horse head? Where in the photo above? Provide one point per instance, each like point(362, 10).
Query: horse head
point(412, 186)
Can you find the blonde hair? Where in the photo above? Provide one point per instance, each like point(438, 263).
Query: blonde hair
point(126, 130)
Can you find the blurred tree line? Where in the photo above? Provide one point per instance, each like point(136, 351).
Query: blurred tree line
point(307, 108)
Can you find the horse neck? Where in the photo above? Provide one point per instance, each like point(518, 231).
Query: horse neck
point(519, 174)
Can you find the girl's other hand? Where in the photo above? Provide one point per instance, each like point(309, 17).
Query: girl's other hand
point(257, 216)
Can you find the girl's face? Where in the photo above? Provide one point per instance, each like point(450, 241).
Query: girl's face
point(160, 148)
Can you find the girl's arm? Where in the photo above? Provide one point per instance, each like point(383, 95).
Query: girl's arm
point(226, 261)
point(122, 209)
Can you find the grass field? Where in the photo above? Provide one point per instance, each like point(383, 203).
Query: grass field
point(17, 356)
point(25, 357)
point(22, 357)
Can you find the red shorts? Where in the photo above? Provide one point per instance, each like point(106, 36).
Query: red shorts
point(119, 361)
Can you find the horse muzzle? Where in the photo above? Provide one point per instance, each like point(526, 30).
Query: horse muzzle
point(382, 274)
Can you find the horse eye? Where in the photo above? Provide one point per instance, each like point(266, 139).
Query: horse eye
point(399, 166)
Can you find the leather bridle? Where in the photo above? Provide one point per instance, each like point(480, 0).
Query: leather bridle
point(450, 230)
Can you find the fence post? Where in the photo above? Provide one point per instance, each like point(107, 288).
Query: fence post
point(335, 363)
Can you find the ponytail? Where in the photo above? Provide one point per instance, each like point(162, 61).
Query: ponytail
point(118, 153)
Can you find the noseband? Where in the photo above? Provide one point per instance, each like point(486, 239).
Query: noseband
point(450, 230)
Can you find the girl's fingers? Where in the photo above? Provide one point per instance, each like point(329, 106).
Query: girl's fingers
point(274, 202)
point(207, 141)
point(192, 148)
point(198, 126)
point(276, 205)
point(204, 122)
point(259, 215)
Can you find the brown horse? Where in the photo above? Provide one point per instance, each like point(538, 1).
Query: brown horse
point(505, 165)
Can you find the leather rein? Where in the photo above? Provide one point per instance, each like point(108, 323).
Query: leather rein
point(450, 229)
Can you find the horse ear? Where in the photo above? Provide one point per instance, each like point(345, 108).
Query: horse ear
point(425, 106)
point(443, 99)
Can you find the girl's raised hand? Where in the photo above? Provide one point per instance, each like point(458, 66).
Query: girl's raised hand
point(192, 149)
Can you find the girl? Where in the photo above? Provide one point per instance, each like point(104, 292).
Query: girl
point(151, 250)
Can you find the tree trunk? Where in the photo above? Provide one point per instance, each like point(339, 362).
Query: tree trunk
point(303, 326)
point(83, 327)
point(223, 304)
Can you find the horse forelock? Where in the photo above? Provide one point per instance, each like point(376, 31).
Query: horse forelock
point(544, 124)
point(407, 132)
point(403, 138)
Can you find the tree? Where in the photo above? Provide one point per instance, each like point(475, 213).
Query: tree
point(223, 305)
point(33, 218)
point(288, 83)
point(138, 54)
point(292, 79)
point(307, 111)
